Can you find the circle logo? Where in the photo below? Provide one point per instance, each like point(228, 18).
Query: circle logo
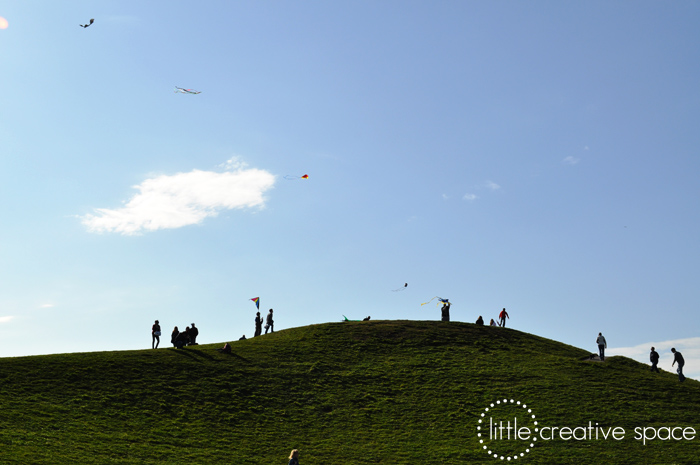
point(507, 430)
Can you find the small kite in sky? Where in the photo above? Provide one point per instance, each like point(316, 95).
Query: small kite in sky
point(293, 178)
point(257, 301)
point(440, 299)
point(88, 24)
point(186, 91)
point(401, 288)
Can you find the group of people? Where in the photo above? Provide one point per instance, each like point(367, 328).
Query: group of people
point(653, 357)
point(501, 319)
point(269, 324)
point(445, 316)
point(188, 337)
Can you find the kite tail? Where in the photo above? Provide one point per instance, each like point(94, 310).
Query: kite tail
point(440, 299)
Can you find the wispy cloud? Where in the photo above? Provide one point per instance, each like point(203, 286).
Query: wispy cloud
point(182, 199)
point(5, 319)
point(46, 306)
point(492, 185)
point(690, 348)
point(571, 160)
point(470, 197)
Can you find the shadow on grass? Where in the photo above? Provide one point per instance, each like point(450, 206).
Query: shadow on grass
point(196, 354)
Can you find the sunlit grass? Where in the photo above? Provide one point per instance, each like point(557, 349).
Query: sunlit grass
point(388, 392)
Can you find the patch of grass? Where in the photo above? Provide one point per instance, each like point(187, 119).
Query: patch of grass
point(380, 392)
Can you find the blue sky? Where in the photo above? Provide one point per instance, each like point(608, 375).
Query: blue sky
point(538, 156)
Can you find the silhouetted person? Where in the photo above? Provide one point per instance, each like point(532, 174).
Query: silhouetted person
point(242, 338)
point(269, 323)
point(365, 319)
point(258, 325)
point(155, 335)
point(654, 358)
point(194, 332)
point(480, 321)
point(677, 357)
point(502, 316)
point(602, 345)
point(445, 311)
point(173, 336)
point(181, 340)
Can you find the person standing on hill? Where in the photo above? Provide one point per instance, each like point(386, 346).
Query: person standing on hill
point(602, 345)
point(173, 336)
point(502, 316)
point(155, 335)
point(294, 457)
point(194, 332)
point(258, 324)
point(269, 323)
point(678, 357)
point(654, 358)
point(445, 311)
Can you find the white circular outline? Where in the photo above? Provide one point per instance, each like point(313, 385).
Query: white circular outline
point(495, 455)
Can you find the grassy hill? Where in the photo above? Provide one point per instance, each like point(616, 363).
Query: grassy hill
point(390, 392)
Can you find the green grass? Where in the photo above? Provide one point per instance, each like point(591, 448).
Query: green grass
point(390, 392)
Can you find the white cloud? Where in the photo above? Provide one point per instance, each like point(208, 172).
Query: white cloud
point(182, 199)
point(470, 197)
point(690, 348)
point(570, 160)
point(492, 185)
point(5, 319)
point(46, 306)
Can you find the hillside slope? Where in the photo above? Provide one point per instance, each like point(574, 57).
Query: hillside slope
point(390, 392)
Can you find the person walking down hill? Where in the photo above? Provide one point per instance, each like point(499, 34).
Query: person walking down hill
point(502, 316)
point(155, 335)
point(602, 345)
point(480, 321)
point(258, 324)
point(678, 357)
point(654, 358)
point(294, 457)
point(173, 336)
point(445, 311)
point(269, 323)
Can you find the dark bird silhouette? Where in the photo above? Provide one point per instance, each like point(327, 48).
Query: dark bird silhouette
point(88, 24)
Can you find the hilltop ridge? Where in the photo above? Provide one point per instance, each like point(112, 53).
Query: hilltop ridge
point(370, 392)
